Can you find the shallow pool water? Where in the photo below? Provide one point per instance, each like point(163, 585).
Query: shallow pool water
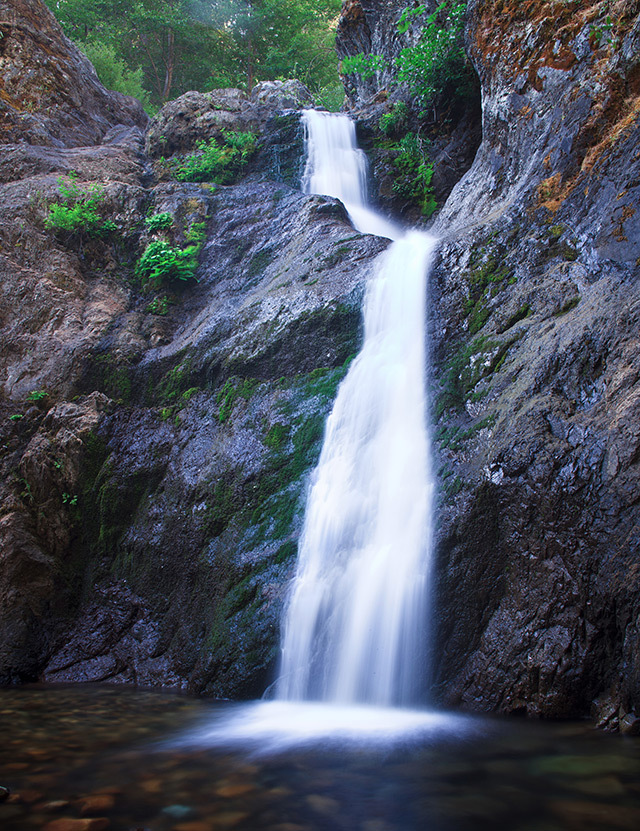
point(165, 762)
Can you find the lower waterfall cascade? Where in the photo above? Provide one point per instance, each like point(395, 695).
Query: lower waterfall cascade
point(355, 623)
point(355, 642)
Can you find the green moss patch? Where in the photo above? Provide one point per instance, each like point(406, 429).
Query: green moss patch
point(484, 281)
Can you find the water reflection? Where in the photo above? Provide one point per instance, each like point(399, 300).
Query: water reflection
point(162, 762)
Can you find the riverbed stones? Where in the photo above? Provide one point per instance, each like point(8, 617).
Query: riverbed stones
point(71, 824)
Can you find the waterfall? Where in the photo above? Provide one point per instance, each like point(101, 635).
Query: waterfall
point(355, 637)
point(355, 628)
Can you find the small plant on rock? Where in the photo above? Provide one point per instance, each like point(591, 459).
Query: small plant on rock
point(395, 122)
point(217, 160)
point(159, 222)
point(415, 173)
point(37, 395)
point(77, 211)
point(162, 262)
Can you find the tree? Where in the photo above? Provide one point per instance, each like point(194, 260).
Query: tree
point(201, 44)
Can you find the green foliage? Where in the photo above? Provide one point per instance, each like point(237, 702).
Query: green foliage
point(217, 161)
point(603, 33)
point(437, 63)
point(414, 173)
point(196, 233)
point(77, 211)
point(432, 68)
point(232, 389)
point(168, 47)
point(331, 96)
point(159, 306)
point(408, 16)
point(395, 122)
point(159, 222)
point(114, 72)
point(37, 395)
point(364, 65)
point(162, 262)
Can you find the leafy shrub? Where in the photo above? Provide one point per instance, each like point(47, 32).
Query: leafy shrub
point(331, 97)
point(436, 64)
point(115, 74)
point(415, 173)
point(37, 395)
point(395, 122)
point(162, 262)
point(77, 212)
point(159, 305)
point(196, 234)
point(159, 222)
point(438, 61)
point(217, 161)
point(362, 64)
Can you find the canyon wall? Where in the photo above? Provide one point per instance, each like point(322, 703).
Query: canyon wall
point(534, 337)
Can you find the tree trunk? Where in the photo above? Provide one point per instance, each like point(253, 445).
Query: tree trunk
point(169, 63)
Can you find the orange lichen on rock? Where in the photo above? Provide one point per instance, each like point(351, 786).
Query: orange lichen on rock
point(549, 192)
point(629, 116)
point(505, 28)
point(511, 21)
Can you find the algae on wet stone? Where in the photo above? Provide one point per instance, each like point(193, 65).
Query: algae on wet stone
point(233, 389)
point(112, 377)
point(266, 505)
point(484, 280)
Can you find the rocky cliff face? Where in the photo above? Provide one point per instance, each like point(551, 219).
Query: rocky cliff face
point(50, 94)
point(155, 448)
point(155, 445)
point(534, 340)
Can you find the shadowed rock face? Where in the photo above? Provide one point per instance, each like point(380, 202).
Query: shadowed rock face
point(535, 342)
point(50, 94)
point(154, 457)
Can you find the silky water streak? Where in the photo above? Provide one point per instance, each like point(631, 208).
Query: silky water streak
point(355, 629)
point(355, 636)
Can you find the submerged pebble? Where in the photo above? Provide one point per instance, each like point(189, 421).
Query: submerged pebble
point(520, 776)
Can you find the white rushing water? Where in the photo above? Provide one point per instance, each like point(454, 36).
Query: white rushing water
point(356, 619)
point(355, 635)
